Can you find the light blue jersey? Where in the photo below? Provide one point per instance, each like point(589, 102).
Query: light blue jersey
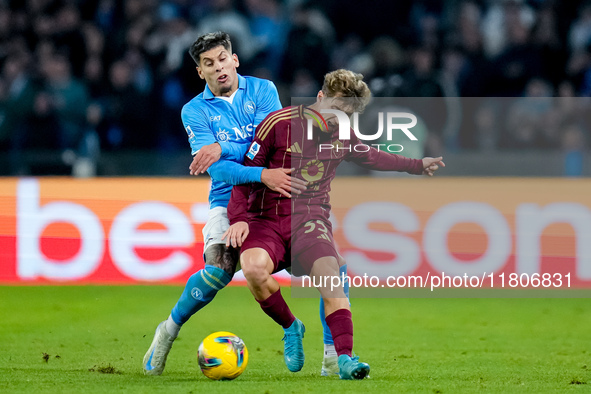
point(231, 122)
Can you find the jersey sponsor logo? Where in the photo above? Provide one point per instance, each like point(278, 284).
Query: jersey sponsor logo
point(244, 132)
point(249, 107)
point(252, 152)
point(222, 135)
point(240, 133)
point(215, 118)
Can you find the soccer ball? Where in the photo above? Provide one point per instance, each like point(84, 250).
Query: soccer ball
point(222, 356)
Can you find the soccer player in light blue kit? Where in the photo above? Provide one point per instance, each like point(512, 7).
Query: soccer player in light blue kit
point(220, 123)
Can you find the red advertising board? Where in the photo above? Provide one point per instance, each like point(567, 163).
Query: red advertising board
point(134, 230)
point(101, 230)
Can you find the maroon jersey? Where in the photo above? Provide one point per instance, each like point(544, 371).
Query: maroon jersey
point(281, 141)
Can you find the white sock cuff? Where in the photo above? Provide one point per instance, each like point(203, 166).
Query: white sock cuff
point(172, 328)
point(329, 350)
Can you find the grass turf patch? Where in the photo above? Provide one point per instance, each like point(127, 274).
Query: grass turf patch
point(93, 338)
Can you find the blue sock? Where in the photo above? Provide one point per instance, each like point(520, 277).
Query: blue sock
point(327, 337)
point(199, 291)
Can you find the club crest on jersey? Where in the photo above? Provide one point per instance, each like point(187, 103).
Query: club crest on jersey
point(250, 107)
point(222, 135)
point(254, 149)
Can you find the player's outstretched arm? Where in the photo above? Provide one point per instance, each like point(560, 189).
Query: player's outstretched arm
point(432, 164)
point(236, 234)
point(379, 160)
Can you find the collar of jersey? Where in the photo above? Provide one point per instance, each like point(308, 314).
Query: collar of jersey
point(209, 96)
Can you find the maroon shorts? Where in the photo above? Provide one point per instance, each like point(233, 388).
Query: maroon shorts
point(272, 235)
point(294, 241)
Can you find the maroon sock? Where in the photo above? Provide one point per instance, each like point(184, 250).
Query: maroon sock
point(341, 328)
point(277, 309)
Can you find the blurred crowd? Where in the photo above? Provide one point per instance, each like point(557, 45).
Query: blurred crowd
point(82, 77)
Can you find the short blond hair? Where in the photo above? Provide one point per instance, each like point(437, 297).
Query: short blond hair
point(346, 83)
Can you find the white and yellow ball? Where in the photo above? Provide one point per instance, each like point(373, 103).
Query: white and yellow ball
point(222, 356)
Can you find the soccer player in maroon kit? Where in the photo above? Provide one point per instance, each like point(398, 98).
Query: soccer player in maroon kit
point(275, 231)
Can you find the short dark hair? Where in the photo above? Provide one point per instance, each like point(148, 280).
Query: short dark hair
point(209, 41)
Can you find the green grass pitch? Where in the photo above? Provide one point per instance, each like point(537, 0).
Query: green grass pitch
point(92, 339)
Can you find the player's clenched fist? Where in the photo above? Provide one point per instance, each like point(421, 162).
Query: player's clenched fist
point(431, 164)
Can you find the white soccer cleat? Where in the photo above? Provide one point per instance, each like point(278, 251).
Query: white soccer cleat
point(155, 358)
point(330, 365)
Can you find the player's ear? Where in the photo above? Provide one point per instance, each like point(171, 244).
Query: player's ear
point(236, 61)
point(199, 72)
point(320, 95)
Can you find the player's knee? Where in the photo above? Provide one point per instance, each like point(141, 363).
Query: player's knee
point(254, 265)
point(326, 267)
point(222, 257)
